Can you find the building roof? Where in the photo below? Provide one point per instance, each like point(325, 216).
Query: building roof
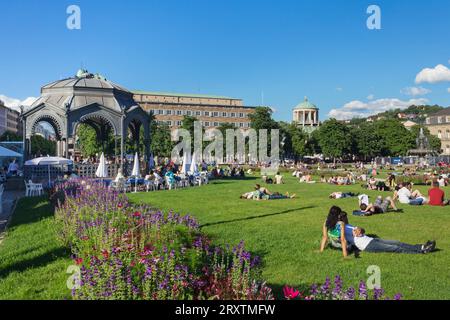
point(85, 89)
point(187, 95)
point(306, 105)
point(443, 112)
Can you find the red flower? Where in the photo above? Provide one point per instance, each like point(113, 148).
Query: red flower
point(290, 293)
point(105, 253)
point(137, 214)
point(78, 261)
point(85, 238)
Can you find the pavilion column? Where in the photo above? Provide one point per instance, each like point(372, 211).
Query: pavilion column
point(303, 116)
point(122, 141)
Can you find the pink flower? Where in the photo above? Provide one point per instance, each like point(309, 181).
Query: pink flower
point(105, 253)
point(78, 261)
point(290, 293)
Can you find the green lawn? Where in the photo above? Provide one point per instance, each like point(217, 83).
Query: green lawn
point(286, 234)
point(32, 263)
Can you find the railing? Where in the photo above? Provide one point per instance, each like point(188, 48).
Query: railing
point(41, 173)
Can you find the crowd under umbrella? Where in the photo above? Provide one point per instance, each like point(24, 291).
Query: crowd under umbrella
point(102, 170)
point(48, 162)
point(136, 172)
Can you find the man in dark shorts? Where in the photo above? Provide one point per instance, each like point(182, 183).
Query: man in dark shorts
point(379, 206)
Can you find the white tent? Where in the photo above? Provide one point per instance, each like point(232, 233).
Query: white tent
point(102, 170)
point(5, 152)
point(48, 161)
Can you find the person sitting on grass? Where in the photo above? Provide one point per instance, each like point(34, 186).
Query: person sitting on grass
point(279, 178)
point(375, 245)
point(372, 183)
point(406, 196)
point(436, 195)
point(379, 206)
point(338, 230)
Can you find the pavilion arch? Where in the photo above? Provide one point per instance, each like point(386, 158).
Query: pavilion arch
point(86, 98)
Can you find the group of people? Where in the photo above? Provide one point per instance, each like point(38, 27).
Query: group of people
point(348, 238)
point(262, 193)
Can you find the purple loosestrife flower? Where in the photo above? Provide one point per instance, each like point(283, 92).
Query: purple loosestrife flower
point(362, 291)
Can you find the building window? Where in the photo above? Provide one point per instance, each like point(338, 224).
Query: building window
point(169, 123)
point(216, 124)
point(224, 114)
point(233, 115)
point(215, 114)
point(189, 112)
point(179, 112)
point(206, 123)
point(206, 113)
point(241, 124)
point(178, 123)
point(198, 113)
point(241, 115)
point(439, 134)
point(427, 120)
point(168, 112)
point(439, 119)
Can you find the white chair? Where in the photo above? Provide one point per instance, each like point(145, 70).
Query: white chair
point(27, 189)
point(149, 185)
point(169, 185)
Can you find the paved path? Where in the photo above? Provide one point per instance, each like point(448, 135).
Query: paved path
point(8, 201)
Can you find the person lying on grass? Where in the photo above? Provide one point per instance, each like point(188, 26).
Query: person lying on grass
point(375, 245)
point(262, 193)
point(341, 195)
point(378, 207)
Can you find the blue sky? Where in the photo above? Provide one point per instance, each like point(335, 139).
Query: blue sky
point(239, 48)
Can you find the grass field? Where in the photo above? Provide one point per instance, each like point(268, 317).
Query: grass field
point(32, 263)
point(287, 233)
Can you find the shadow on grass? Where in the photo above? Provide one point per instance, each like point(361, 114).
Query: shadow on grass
point(30, 210)
point(36, 262)
point(255, 217)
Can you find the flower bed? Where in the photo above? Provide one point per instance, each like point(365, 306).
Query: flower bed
point(128, 252)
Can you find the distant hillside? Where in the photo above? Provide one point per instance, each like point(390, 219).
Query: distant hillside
point(413, 113)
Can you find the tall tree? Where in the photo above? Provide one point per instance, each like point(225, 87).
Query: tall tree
point(397, 139)
point(10, 136)
point(161, 143)
point(368, 142)
point(334, 139)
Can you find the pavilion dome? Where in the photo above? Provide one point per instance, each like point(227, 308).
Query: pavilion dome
point(305, 104)
point(83, 90)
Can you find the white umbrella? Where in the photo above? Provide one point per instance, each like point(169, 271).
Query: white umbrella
point(102, 170)
point(48, 161)
point(186, 162)
point(194, 166)
point(135, 172)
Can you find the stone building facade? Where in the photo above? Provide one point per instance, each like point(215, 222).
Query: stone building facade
point(212, 111)
point(9, 120)
point(439, 125)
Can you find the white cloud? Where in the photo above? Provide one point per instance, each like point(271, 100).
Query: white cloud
point(14, 104)
point(359, 109)
point(370, 97)
point(415, 91)
point(339, 89)
point(440, 73)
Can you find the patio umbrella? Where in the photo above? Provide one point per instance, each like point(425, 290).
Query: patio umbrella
point(5, 152)
point(48, 161)
point(186, 163)
point(194, 165)
point(102, 170)
point(135, 173)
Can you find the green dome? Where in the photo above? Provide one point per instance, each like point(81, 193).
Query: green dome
point(306, 105)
